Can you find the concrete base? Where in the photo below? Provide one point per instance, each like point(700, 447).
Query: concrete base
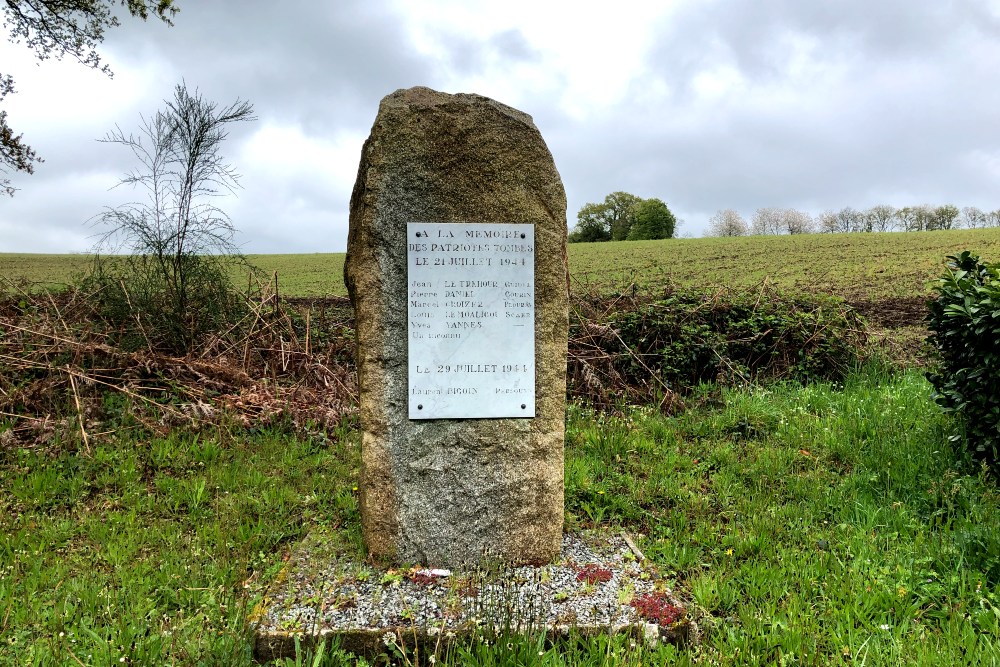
point(599, 584)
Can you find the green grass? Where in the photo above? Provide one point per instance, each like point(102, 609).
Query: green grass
point(865, 266)
point(818, 525)
point(142, 548)
point(320, 274)
point(41, 271)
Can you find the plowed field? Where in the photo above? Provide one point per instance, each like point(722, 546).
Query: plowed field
point(885, 276)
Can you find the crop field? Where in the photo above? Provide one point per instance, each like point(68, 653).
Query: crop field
point(41, 271)
point(866, 267)
point(854, 266)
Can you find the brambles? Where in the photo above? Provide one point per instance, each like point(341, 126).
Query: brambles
point(648, 348)
point(964, 321)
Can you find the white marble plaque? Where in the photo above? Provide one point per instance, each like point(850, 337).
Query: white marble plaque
point(471, 314)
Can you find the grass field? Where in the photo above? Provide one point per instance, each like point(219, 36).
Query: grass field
point(855, 266)
point(866, 266)
point(47, 271)
point(813, 525)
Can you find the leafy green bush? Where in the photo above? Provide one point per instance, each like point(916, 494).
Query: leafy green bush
point(964, 320)
point(693, 338)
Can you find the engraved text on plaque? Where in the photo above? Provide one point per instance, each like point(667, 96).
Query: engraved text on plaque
point(471, 314)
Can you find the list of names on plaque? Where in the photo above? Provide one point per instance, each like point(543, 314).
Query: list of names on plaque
point(471, 314)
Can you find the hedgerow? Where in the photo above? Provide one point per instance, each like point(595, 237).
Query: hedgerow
point(640, 347)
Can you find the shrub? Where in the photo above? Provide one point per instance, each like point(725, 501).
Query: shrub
point(163, 280)
point(148, 307)
point(634, 348)
point(964, 321)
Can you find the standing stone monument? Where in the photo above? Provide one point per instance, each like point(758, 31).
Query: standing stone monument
point(456, 267)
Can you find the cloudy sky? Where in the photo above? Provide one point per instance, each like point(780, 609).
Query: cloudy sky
point(704, 104)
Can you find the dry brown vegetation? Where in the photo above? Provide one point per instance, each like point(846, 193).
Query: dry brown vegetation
point(59, 366)
point(294, 362)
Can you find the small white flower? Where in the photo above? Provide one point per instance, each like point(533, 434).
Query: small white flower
point(388, 638)
point(884, 626)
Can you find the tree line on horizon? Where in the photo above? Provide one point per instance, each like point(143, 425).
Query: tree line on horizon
point(878, 218)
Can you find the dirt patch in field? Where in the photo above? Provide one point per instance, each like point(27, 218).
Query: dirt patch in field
point(892, 312)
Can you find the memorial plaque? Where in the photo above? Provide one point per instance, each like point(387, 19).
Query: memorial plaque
point(471, 315)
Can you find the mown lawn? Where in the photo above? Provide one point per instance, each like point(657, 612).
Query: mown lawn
point(817, 525)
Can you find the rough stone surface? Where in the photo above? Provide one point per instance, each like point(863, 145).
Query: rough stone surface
point(443, 492)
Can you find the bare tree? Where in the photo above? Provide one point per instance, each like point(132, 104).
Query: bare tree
point(826, 222)
point(849, 220)
point(766, 221)
point(879, 218)
point(916, 218)
point(175, 242)
point(727, 222)
point(796, 222)
point(973, 217)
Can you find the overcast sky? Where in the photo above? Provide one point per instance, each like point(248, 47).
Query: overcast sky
point(706, 105)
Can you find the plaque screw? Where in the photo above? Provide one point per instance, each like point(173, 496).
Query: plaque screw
point(522, 236)
point(421, 407)
point(523, 406)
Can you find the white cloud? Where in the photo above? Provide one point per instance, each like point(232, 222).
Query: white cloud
point(63, 94)
point(287, 153)
point(706, 104)
point(583, 56)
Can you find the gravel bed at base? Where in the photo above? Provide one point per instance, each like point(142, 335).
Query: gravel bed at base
point(593, 584)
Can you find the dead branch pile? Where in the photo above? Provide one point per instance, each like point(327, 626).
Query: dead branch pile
point(58, 367)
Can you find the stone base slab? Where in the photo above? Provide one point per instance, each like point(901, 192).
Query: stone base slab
point(600, 584)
